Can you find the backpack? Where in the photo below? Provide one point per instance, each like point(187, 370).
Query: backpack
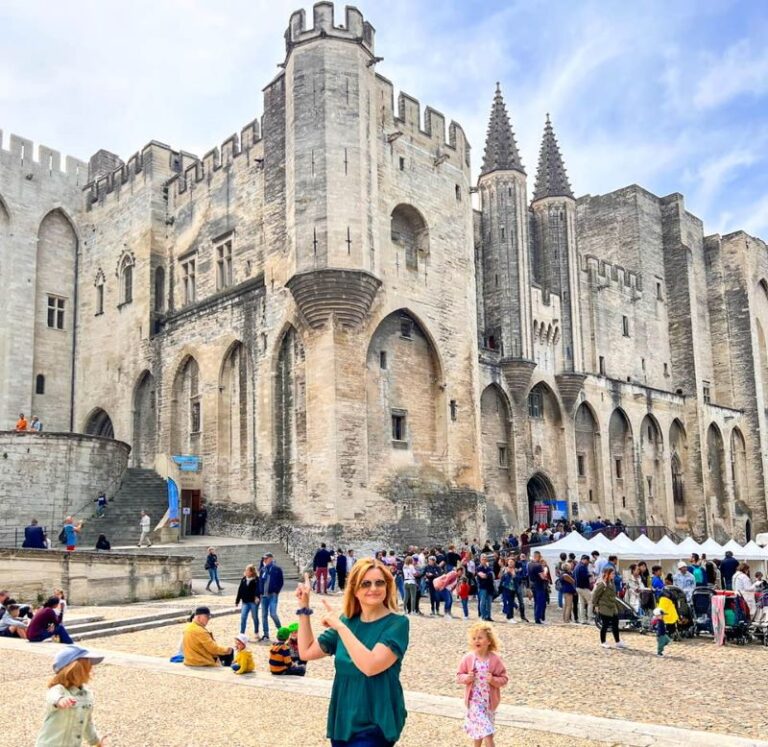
point(63, 536)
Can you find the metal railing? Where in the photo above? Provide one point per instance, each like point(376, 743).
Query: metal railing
point(14, 537)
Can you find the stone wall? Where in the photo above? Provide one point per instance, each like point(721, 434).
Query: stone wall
point(92, 578)
point(50, 475)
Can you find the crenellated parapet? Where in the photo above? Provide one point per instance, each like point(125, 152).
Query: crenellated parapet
point(429, 132)
point(355, 28)
point(235, 147)
point(605, 274)
point(154, 160)
point(48, 162)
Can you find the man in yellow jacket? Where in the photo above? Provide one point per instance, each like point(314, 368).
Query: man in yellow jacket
point(198, 645)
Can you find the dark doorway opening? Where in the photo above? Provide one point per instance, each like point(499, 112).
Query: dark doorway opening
point(748, 530)
point(190, 499)
point(541, 499)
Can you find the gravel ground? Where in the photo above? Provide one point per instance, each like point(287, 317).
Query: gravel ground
point(146, 709)
point(557, 666)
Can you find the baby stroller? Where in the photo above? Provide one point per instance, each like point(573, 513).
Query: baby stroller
point(701, 602)
point(736, 618)
point(759, 626)
point(647, 605)
point(684, 627)
point(628, 618)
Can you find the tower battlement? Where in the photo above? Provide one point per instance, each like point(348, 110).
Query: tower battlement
point(154, 159)
point(607, 273)
point(355, 28)
point(407, 119)
point(21, 154)
point(199, 170)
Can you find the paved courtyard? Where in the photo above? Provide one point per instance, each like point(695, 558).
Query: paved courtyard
point(563, 690)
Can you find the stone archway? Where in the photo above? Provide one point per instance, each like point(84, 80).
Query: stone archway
point(541, 498)
point(99, 424)
point(678, 450)
point(144, 422)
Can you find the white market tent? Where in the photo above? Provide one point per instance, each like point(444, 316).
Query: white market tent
point(602, 544)
point(623, 545)
point(753, 551)
point(666, 548)
point(644, 544)
point(689, 545)
point(572, 542)
point(733, 546)
point(712, 548)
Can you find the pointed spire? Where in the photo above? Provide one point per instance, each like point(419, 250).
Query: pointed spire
point(551, 178)
point(501, 152)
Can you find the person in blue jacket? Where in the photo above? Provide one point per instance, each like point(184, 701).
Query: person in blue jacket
point(34, 537)
point(271, 583)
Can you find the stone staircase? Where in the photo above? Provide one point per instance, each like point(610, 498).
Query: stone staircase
point(140, 489)
point(232, 557)
point(86, 628)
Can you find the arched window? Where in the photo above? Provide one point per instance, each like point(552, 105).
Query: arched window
point(40, 384)
point(409, 230)
point(126, 280)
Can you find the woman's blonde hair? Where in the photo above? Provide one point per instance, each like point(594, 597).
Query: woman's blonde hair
point(75, 674)
point(487, 628)
point(351, 607)
point(251, 568)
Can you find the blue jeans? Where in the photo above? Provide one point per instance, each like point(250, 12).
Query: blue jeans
point(368, 738)
point(400, 583)
point(59, 630)
point(560, 599)
point(485, 598)
point(507, 602)
point(332, 581)
point(252, 609)
point(448, 599)
point(539, 604)
point(269, 609)
point(465, 607)
point(519, 592)
point(213, 575)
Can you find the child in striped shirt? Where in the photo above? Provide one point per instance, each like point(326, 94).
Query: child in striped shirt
point(280, 661)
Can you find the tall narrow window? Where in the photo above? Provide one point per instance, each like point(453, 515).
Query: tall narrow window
point(601, 363)
point(619, 471)
point(40, 384)
point(581, 465)
point(159, 289)
point(224, 265)
point(625, 325)
point(458, 193)
point(399, 432)
point(55, 312)
point(100, 298)
point(706, 392)
point(659, 297)
point(383, 359)
point(503, 457)
point(535, 405)
point(126, 280)
point(188, 280)
point(454, 410)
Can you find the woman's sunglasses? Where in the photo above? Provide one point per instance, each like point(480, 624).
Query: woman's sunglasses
point(379, 583)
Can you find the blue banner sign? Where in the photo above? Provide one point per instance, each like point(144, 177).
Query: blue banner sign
point(173, 503)
point(188, 463)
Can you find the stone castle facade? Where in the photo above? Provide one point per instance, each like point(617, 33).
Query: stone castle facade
point(316, 310)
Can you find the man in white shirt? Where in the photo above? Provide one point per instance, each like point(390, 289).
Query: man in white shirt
point(144, 525)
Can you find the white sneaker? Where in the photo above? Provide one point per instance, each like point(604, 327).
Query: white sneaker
point(606, 645)
point(512, 621)
point(621, 644)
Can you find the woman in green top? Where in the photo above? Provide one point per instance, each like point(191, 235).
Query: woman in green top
point(368, 642)
point(605, 604)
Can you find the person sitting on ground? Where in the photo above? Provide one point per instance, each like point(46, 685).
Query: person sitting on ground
point(280, 660)
point(36, 425)
point(47, 622)
point(12, 625)
point(243, 662)
point(102, 543)
point(293, 643)
point(34, 537)
point(198, 644)
point(21, 423)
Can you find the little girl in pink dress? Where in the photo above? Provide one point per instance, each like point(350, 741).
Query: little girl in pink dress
point(483, 674)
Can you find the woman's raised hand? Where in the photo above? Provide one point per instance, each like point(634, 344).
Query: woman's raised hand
point(330, 619)
point(303, 591)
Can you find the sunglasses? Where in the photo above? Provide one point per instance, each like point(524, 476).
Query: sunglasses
point(379, 583)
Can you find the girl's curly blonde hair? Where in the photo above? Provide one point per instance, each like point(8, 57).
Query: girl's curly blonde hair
point(487, 628)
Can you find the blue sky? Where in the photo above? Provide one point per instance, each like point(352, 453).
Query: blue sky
point(671, 95)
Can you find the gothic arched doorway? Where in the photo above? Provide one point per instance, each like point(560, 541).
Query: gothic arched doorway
point(541, 499)
point(99, 424)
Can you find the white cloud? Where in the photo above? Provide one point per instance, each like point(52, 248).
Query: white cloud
point(742, 70)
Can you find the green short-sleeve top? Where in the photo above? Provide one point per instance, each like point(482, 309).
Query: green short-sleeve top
point(359, 702)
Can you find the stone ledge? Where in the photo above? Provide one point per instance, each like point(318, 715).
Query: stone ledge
point(608, 730)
